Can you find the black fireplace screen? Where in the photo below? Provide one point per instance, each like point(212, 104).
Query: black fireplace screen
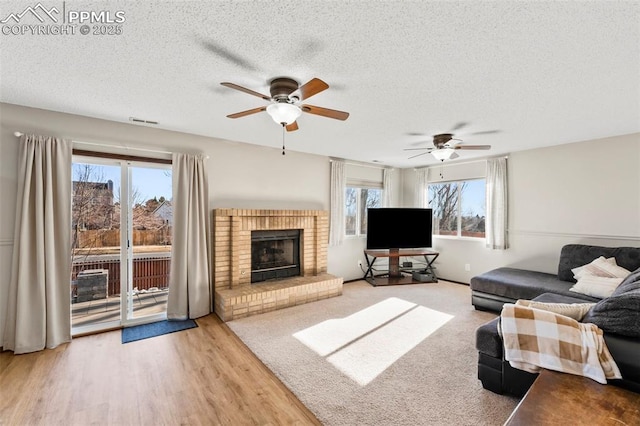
point(275, 254)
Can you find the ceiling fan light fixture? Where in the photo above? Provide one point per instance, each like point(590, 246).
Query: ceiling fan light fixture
point(284, 112)
point(443, 154)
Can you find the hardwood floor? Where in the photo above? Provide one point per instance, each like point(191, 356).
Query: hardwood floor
point(204, 375)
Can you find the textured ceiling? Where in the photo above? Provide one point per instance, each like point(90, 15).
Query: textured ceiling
point(535, 73)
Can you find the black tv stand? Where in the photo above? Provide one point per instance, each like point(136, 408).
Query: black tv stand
point(395, 274)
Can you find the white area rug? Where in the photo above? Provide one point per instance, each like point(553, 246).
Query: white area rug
point(396, 355)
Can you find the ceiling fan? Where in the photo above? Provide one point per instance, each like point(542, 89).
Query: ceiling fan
point(285, 101)
point(444, 148)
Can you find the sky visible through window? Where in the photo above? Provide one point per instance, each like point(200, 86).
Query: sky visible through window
point(149, 182)
point(474, 197)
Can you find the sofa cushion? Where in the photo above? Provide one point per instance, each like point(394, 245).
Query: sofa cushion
point(517, 284)
point(488, 339)
point(557, 298)
point(618, 314)
point(575, 255)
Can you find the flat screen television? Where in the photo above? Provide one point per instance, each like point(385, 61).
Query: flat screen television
point(398, 228)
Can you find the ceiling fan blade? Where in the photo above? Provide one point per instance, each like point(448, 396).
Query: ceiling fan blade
point(416, 149)
point(485, 132)
point(459, 126)
point(418, 155)
point(228, 55)
point(245, 90)
point(247, 112)
point(476, 147)
point(307, 90)
point(292, 127)
point(325, 112)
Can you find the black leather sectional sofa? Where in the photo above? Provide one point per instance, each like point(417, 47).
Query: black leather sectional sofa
point(506, 285)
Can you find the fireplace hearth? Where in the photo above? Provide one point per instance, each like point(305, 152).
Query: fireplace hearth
point(254, 249)
point(275, 254)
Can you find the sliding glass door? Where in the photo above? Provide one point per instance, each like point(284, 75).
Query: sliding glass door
point(121, 236)
point(150, 240)
point(96, 246)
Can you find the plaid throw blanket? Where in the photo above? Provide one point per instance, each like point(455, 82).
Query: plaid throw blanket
point(535, 339)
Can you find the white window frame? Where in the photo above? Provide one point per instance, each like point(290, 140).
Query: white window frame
point(459, 235)
point(358, 185)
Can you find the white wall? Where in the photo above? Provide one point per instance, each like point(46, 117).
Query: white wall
point(586, 192)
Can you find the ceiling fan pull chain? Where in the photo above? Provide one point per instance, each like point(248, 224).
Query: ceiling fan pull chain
point(283, 127)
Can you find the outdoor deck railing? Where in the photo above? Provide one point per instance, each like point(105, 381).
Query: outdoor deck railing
point(149, 270)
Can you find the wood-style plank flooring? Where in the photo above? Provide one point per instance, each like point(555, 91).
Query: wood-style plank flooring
point(204, 375)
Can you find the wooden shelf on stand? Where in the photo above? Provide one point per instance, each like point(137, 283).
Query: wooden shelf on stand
point(396, 275)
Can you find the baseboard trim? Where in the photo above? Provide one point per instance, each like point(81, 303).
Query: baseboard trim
point(453, 281)
point(440, 278)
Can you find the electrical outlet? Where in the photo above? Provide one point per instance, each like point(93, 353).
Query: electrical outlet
point(467, 267)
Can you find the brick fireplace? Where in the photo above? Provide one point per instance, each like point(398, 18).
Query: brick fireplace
point(235, 295)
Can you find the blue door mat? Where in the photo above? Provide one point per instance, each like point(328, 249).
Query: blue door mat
point(145, 331)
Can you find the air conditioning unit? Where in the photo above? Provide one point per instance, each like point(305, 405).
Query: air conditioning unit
point(91, 284)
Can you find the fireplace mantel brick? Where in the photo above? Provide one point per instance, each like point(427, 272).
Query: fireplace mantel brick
point(232, 261)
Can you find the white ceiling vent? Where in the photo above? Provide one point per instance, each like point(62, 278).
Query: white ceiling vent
point(142, 121)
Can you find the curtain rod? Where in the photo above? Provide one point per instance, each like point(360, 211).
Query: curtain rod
point(358, 163)
point(18, 134)
point(123, 147)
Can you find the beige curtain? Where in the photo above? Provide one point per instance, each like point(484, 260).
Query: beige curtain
point(387, 187)
point(189, 281)
point(338, 185)
point(39, 303)
point(422, 183)
point(496, 200)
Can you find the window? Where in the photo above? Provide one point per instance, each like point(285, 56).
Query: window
point(458, 208)
point(357, 201)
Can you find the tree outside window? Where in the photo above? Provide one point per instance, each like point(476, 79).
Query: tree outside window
point(458, 208)
point(357, 201)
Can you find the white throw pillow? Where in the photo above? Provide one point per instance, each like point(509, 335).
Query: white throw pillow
point(572, 310)
point(596, 286)
point(601, 267)
point(611, 267)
